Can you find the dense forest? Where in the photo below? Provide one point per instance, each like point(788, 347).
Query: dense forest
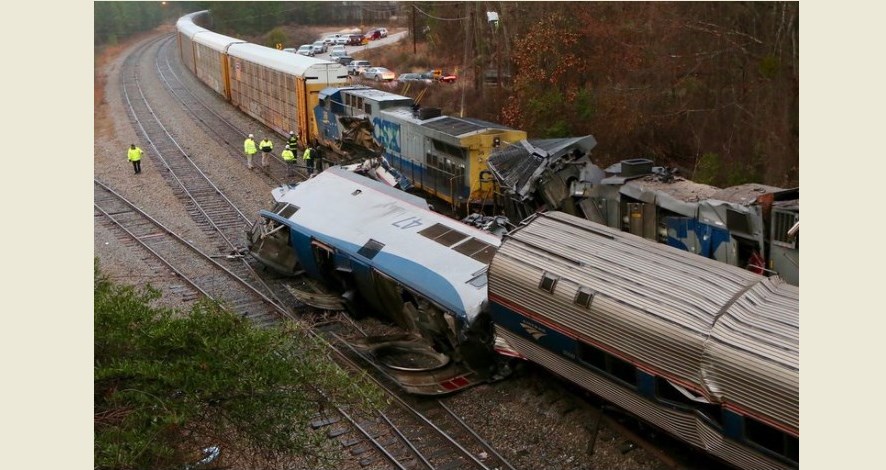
point(711, 88)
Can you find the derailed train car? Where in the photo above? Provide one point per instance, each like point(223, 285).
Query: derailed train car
point(705, 351)
point(386, 251)
point(746, 225)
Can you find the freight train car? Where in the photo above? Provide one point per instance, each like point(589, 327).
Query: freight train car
point(443, 155)
point(277, 88)
point(387, 252)
point(705, 351)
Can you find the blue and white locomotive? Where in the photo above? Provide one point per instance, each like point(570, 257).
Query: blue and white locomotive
point(445, 156)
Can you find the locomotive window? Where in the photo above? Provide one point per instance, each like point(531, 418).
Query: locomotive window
point(443, 234)
point(434, 231)
point(548, 282)
point(771, 439)
point(367, 108)
point(737, 221)
point(371, 248)
point(479, 281)
point(287, 210)
point(622, 370)
point(476, 249)
point(584, 296)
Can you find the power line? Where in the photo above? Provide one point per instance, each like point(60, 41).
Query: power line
point(438, 18)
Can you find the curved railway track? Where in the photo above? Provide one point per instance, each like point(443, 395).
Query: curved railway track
point(207, 205)
point(203, 275)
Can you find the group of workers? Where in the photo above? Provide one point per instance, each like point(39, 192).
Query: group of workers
point(134, 154)
point(288, 154)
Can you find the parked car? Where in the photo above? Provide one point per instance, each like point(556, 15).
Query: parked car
point(319, 47)
point(439, 75)
point(358, 66)
point(414, 77)
point(291, 49)
point(337, 47)
point(376, 33)
point(357, 40)
point(329, 39)
point(344, 59)
point(378, 74)
point(336, 55)
point(343, 39)
point(306, 49)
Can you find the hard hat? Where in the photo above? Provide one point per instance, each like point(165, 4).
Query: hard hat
point(291, 132)
point(287, 147)
point(250, 135)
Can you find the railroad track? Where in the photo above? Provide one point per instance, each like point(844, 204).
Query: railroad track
point(201, 274)
point(208, 206)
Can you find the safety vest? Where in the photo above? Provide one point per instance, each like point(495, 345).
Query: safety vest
point(266, 145)
point(287, 155)
point(249, 146)
point(134, 154)
point(293, 141)
point(307, 155)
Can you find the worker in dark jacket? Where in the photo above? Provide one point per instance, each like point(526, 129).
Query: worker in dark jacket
point(293, 141)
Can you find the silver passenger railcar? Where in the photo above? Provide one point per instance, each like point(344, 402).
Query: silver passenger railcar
point(706, 351)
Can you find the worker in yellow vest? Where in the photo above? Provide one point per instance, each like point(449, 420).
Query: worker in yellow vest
point(289, 159)
point(309, 162)
point(249, 148)
point(135, 156)
point(266, 146)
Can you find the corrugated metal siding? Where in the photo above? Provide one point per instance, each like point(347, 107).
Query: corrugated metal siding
point(684, 425)
point(657, 306)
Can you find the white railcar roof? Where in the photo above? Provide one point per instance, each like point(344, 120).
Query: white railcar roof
point(186, 24)
point(346, 210)
point(292, 64)
point(215, 41)
point(730, 331)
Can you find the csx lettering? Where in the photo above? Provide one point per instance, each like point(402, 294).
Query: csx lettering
point(387, 134)
point(408, 222)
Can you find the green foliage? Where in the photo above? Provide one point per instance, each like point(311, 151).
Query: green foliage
point(118, 20)
point(707, 169)
point(167, 384)
point(277, 36)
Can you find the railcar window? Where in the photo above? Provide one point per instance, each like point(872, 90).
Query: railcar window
point(371, 248)
point(584, 296)
point(613, 366)
point(548, 282)
point(771, 439)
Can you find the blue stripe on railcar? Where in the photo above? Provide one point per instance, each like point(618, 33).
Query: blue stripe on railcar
point(429, 283)
point(546, 337)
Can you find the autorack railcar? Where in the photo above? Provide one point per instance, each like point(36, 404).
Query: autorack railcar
point(277, 88)
point(703, 350)
point(443, 155)
point(388, 252)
